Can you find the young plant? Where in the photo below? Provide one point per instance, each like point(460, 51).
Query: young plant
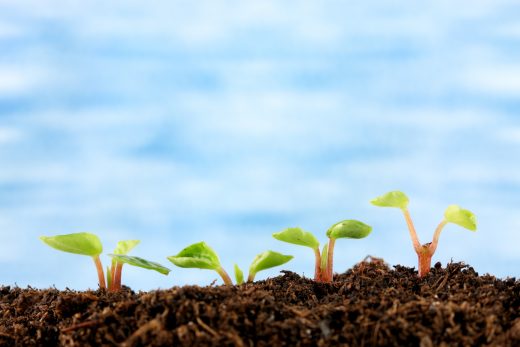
point(323, 266)
point(453, 214)
point(116, 268)
point(201, 256)
point(79, 243)
point(89, 244)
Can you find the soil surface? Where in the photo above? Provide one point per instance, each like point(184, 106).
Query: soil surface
point(369, 305)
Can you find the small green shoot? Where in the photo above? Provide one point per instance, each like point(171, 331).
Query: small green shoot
point(266, 260)
point(114, 276)
point(323, 266)
point(79, 243)
point(239, 275)
point(90, 245)
point(351, 229)
point(201, 256)
point(453, 214)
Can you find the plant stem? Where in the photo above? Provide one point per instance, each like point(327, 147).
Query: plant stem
point(427, 251)
point(323, 265)
point(226, 278)
point(110, 283)
point(425, 259)
point(112, 276)
point(117, 277)
point(101, 274)
point(433, 245)
point(411, 228)
point(330, 259)
point(317, 265)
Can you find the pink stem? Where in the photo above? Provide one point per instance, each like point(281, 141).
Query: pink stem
point(101, 274)
point(436, 235)
point(425, 260)
point(317, 265)
point(411, 229)
point(117, 278)
point(330, 259)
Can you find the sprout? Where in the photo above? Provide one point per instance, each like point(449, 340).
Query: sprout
point(239, 275)
point(453, 214)
point(90, 245)
point(323, 266)
point(266, 260)
point(114, 275)
point(201, 256)
point(79, 243)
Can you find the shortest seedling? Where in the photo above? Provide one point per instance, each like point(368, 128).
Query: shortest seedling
point(201, 256)
point(89, 244)
point(453, 214)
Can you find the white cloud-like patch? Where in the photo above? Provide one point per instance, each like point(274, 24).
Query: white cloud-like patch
point(511, 135)
point(498, 80)
point(10, 135)
point(16, 80)
point(11, 31)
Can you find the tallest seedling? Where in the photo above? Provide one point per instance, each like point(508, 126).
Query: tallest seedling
point(453, 214)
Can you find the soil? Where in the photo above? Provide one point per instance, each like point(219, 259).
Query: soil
point(369, 305)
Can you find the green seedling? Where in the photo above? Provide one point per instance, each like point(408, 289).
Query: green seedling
point(453, 214)
point(89, 244)
point(114, 272)
point(201, 256)
point(323, 266)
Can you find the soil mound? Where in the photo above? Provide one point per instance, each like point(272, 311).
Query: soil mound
point(369, 305)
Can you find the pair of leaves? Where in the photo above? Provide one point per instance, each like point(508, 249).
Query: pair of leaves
point(89, 244)
point(201, 256)
point(352, 229)
point(453, 214)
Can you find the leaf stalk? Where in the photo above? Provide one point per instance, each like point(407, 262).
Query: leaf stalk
point(101, 274)
point(225, 276)
point(317, 265)
point(330, 259)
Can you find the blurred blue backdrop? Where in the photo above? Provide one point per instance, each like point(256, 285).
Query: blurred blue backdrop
point(225, 121)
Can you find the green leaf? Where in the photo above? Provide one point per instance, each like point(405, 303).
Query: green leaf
point(352, 229)
point(239, 275)
point(297, 236)
point(140, 262)
point(267, 260)
point(198, 255)
point(457, 215)
point(77, 243)
point(391, 199)
point(123, 247)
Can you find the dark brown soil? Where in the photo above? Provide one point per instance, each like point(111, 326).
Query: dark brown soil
point(369, 305)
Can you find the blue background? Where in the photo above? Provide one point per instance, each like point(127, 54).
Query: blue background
point(225, 121)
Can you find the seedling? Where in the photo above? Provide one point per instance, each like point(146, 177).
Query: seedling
point(90, 245)
point(453, 214)
point(323, 266)
point(201, 256)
